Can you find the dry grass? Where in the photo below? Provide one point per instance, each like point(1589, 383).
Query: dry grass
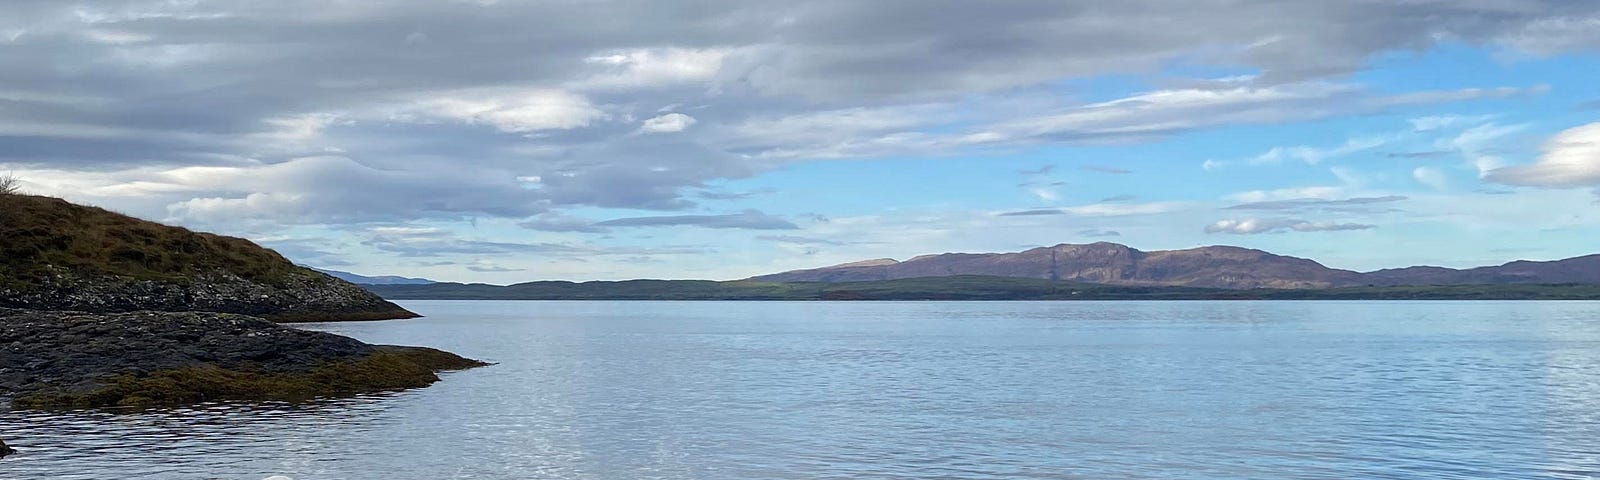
point(39, 232)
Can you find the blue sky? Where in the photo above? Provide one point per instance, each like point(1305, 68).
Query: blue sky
point(506, 141)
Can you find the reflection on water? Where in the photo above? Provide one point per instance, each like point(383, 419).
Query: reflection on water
point(685, 390)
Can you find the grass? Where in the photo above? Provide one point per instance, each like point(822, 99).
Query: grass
point(389, 368)
point(40, 235)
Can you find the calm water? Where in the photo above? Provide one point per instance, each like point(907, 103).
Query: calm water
point(624, 390)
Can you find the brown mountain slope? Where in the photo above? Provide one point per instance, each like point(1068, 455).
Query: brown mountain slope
point(1109, 263)
point(56, 255)
point(1215, 267)
point(1585, 269)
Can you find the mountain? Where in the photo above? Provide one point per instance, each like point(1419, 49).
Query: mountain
point(55, 255)
point(1581, 270)
point(959, 287)
point(378, 280)
point(1207, 267)
point(1102, 262)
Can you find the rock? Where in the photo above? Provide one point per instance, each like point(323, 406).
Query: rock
point(5, 450)
point(144, 358)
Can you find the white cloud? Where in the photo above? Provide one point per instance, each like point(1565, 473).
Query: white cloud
point(652, 67)
point(672, 122)
point(517, 111)
point(1571, 159)
point(1253, 226)
point(1439, 122)
point(1431, 176)
point(1315, 192)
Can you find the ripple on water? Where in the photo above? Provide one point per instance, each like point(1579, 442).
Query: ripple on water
point(682, 390)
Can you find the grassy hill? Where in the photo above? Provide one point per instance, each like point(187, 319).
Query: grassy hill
point(39, 235)
point(56, 255)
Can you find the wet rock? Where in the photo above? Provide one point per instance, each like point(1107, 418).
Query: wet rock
point(71, 354)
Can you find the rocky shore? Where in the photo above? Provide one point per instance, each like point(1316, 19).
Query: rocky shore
point(300, 296)
point(51, 359)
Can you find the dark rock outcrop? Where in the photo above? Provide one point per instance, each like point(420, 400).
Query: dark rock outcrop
point(143, 358)
point(303, 297)
point(5, 450)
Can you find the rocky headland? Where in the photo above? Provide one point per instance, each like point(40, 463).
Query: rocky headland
point(75, 359)
point(99, 309)
point(55, 255)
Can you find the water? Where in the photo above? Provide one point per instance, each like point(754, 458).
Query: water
point(813, 390)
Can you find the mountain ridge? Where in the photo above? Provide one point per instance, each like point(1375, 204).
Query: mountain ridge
point(1214, 266)
point(360, 279)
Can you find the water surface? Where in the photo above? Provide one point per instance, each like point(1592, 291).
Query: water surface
point(980, 390)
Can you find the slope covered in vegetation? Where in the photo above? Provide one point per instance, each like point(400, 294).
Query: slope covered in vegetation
point(55, 255)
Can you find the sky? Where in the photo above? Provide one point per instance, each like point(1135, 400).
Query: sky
point(507, 141)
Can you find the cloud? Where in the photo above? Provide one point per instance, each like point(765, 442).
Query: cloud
point(1313, 155)
point(1256, 226)
point(749, 220)
point(492, 268)
point(799, 240)
point(1103, 210)
point(1433, 177)
point(436, 109)
point(724, 195)
point(1029, 213)
point(1571, 159)
point(433, 242)
point(555, 222)
point(1095, 233)
point(1418, 154)
point(669, 123)
point(1298, 204)
point(1119, 198)
point(516, 111)
point(1042, 170)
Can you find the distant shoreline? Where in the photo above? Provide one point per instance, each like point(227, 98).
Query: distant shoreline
point(955, 288)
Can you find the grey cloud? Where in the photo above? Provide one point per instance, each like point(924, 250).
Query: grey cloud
point(799, 240)
point(434, 247)
point(1095, 233)
point(1316, 203)
point(1257, 226)
point(1044, 170)
point(749, 220)
point(724, 195)
point(1421, 154)
point(446, 103)
point(1029, 213)
point(432, 242)
point(552, 222)
point(1119, 198)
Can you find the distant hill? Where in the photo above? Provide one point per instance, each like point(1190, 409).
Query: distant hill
point(959, 287)
point(1206, 267)
point(378, 280)
point(55, 255)
point(1103, 262)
